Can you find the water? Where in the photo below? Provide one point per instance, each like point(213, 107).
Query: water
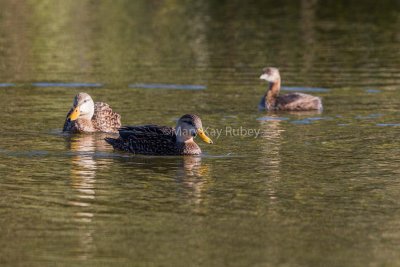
point(168, 86)
point(312, 189)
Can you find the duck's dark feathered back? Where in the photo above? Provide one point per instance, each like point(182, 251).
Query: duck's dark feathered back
point(145, 131)
point(147, 139)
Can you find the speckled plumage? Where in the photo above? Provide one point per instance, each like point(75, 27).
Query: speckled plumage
point(157, 140)
point(104, 119)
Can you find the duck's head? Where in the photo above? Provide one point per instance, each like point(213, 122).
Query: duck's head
point(270, 75)
point(83, 107)
point(189, 126)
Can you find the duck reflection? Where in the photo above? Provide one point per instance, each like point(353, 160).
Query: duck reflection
point(84, 167)
point(194, 178)
point(271, 132)
point(190, 174)
point(83, 171)
point(83, 179)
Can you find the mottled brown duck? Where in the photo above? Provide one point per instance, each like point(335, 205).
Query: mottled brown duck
point(85, 116)
point(290, 102)
point(162, 140)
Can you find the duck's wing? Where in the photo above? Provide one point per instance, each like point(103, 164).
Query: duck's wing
point(105, 119)
point(146, 139)
point(146, 131)
point(298, 101)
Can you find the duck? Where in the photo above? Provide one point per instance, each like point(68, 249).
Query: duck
point(86, 116)
point(162, 140)
point(272, 101)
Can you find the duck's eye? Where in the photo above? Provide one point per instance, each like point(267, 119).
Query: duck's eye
point(193, 133)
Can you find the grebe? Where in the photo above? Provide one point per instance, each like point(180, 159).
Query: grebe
point(290, 102)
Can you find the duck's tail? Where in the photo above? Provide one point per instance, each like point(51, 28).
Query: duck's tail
point(117, 143)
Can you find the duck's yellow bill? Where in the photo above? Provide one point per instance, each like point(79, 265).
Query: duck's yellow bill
point(74, 114)
point(204, 137)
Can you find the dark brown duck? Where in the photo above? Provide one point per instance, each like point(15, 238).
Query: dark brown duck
point(162, 140)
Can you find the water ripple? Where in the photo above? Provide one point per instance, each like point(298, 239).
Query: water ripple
point(167, 86)
point(77, 84)
point(305, 89)
point(372, 91)
point(7, 84)
point(387, 124)
point(272, 118)
point(370, 116)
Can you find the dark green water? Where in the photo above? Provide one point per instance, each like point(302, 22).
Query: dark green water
point(311, 190)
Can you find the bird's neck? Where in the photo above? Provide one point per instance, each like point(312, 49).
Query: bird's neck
point(87, 111)
point(272, 94)
point(87, 116)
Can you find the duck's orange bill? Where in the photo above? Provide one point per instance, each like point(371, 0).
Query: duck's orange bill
point(74, 114)
point(204, 137)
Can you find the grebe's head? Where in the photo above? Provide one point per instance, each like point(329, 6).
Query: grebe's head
point(270, 75)
point(83, 106)
point(189, 126)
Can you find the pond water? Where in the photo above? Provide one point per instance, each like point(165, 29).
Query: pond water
point(311, 189)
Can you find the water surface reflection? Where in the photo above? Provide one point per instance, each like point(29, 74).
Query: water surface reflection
point(83, 172)
point(271, 132)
